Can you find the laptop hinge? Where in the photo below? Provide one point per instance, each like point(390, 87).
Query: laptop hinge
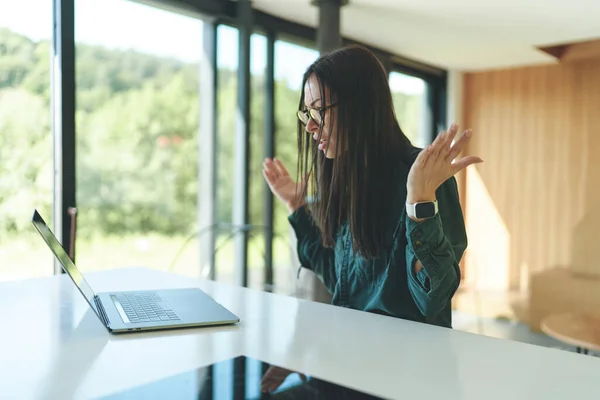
point(102, 312)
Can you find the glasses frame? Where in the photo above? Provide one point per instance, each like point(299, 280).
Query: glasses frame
point(306, 113)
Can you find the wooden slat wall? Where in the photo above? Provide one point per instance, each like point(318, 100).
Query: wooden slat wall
point(538, 131)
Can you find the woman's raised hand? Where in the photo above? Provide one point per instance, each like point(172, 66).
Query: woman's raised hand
point(437, 163)
point(282, 185)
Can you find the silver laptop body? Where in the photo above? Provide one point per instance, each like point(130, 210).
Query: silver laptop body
point(123, 312)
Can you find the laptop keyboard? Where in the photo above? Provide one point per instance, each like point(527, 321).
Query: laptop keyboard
point(146, 307)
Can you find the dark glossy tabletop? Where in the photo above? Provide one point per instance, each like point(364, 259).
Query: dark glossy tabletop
point(240, 378)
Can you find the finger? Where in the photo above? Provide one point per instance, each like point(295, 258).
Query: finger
point(274, 385)
point(425, 155)
point(437, 147)
point(266, 386)
point(281, 168)
point(445, 140)
point(268, 177)
point(452, 132)
point(271, 167)
point(439, 139)
point(267, 381)
point(460, 135)
point(465, 162)
point(459, 145)
point(268, 163)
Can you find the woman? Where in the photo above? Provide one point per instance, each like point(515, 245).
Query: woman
point(383, 227)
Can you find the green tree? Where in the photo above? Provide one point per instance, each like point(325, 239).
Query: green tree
point(137, 139)
point(137, 163)
point(25, 159)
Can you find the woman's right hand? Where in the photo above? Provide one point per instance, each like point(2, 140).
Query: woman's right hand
point(282, 185)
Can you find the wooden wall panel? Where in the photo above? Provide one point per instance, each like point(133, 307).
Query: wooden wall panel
point(538, 132)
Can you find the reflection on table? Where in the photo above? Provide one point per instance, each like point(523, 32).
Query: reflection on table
point(241, 378)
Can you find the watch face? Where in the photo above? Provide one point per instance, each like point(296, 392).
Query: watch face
point(425, 210)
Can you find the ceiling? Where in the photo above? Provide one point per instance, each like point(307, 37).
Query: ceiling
point(458, 34)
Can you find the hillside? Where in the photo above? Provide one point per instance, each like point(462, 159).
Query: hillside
point(137, 148)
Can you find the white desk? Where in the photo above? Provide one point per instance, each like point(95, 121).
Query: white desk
point(53, 347)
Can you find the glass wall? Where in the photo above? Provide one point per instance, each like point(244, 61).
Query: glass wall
point(291, 60)
point(409, 94)
point(26, 149)
point(256, 248)
point(137, 147)
point(137, 137)
point(227, 65)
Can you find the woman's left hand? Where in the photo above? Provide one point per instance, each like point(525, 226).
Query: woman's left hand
point(436, 164)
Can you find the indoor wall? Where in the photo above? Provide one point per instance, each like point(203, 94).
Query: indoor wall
point(530, 206)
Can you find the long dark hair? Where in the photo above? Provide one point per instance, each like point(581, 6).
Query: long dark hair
point(355, 186)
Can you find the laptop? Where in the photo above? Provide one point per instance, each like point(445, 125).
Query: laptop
point(123, 312)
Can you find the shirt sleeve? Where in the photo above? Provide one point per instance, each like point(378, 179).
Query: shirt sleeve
point(439, 243)
point(311, 252)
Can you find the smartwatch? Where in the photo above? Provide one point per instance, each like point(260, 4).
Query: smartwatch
point(424, 210)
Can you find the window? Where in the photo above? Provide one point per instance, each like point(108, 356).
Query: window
point(291, 60)
point(26, 147)
point(409, 95)
point(137, 144)
point(227, 65)
point(256, 246)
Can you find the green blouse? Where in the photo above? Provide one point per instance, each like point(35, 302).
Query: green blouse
point(388, 284)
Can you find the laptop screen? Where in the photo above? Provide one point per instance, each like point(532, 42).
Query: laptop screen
point(63, 258)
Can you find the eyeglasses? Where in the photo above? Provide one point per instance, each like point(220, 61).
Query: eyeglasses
point(316, 114)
